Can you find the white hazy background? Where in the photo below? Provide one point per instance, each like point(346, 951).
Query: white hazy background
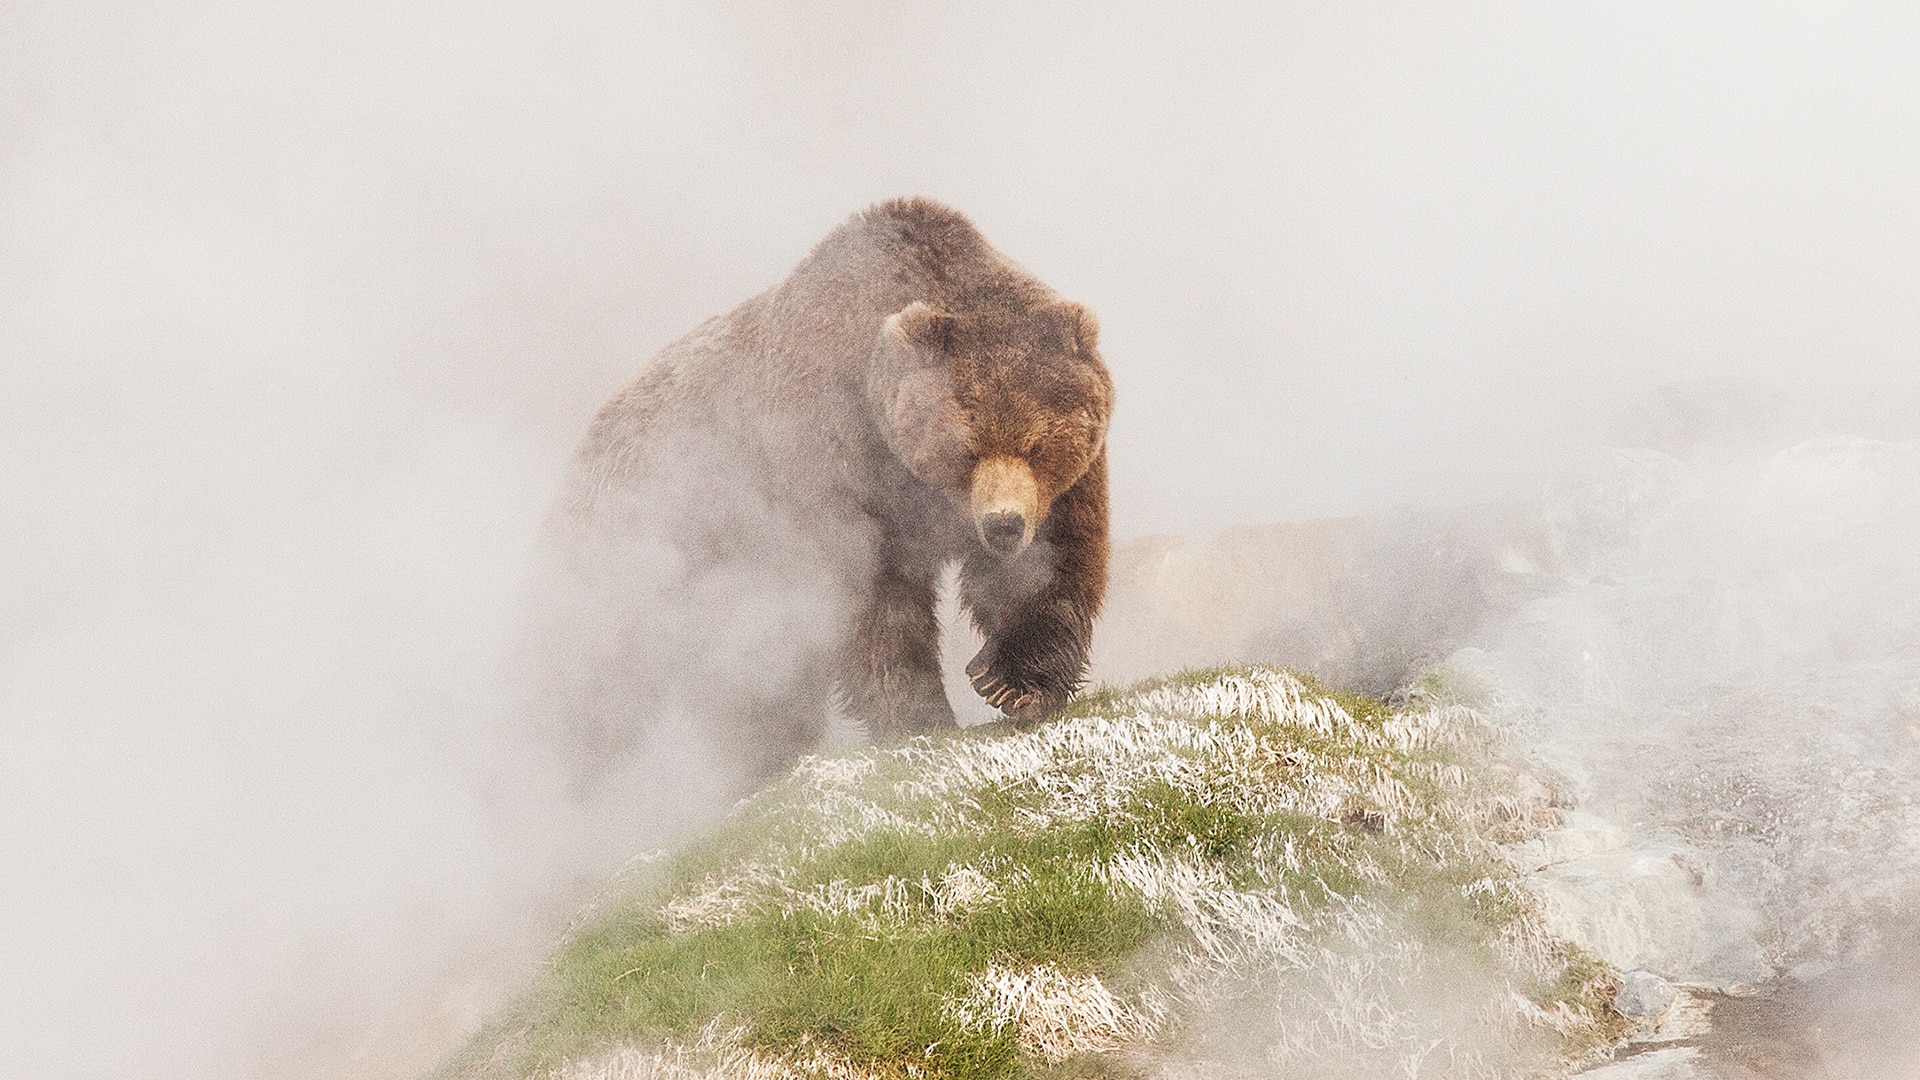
point(302, 305)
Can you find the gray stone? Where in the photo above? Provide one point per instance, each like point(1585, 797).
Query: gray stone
point(1643, 995)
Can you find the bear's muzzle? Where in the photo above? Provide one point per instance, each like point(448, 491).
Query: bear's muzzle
point(1006, 504)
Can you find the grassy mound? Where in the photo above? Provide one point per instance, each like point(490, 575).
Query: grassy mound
point(1220, 872)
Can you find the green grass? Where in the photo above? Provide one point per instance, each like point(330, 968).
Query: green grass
point(870, 990)
point(873, 991)
point(808, 940)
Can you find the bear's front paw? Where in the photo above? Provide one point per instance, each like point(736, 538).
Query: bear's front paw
point(1022, 693)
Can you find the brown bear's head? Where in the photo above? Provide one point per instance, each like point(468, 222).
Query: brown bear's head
point(1001, 411)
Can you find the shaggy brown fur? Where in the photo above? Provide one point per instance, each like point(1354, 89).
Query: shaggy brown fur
point(908, 397)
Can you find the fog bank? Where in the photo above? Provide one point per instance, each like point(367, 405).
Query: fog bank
point(301, 308)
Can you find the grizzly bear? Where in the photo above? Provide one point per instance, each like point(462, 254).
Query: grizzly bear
point(758, 525)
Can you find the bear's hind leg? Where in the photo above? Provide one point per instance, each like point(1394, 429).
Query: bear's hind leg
point(890, 675)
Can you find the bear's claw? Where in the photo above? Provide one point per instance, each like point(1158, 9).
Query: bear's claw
point(1019, 696)
point(996, 692)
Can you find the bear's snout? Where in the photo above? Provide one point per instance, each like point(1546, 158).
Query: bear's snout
point(1003, 533)
point(1006, 504)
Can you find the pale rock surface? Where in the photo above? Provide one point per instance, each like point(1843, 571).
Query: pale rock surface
point(1645, 906)
point(1581, 835)
point(1679, 1063)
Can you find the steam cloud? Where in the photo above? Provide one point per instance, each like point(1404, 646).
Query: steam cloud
point(301, 308)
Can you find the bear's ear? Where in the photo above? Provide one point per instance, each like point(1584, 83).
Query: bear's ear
point(1078, 330)
point(920, 326)
point(910, 390)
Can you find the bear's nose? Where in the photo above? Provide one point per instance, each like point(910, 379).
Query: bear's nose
point(1004, 533)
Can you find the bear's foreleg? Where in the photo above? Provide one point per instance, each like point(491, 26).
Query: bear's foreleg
point(1036, 609)
point(890, 675)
